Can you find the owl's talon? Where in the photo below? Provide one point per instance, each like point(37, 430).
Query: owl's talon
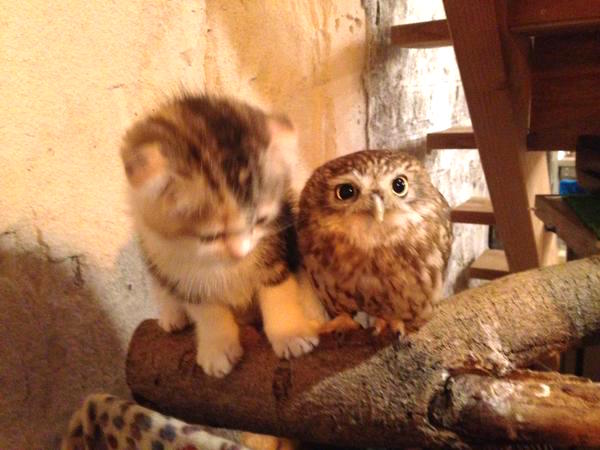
point(341, 324)
point(397, 326)
point(378, 326)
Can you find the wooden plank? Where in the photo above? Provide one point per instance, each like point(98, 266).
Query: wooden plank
point(490, 265)
point(556, 214)
point(565, 101)
point(421, 35)
point(570, 54)
point(476, 210)
point(555, 16)
point(494, 69)
point(460, 137)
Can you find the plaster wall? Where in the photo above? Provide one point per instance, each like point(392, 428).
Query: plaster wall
point(73, 75)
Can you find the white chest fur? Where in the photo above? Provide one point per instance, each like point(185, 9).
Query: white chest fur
point(201, 271)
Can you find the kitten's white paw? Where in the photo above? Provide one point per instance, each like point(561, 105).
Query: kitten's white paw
point(173, 319)
point(218, 360)
point(288, 346)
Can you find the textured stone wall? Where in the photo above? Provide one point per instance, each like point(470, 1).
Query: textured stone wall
point(73, 75)
point(411, 92)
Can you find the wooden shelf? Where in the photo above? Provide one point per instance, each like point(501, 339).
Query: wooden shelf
point(477, 210)
point(421, 35)
point(490, 265)
point(534, 17)
point(565, 91)
point(452, 138)
point(557, 215)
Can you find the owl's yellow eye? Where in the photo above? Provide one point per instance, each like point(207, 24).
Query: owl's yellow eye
point(400, 186)
point(345, 191)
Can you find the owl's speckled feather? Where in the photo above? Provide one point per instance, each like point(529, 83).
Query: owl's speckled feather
point(390, 269)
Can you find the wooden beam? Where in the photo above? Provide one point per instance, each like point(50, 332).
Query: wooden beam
point(555, 16)
point(556, 214)
point(493, 68)
point(458, 137)
point(565, 97)
point(490, 265)
point(421, 35)
point(477, 210)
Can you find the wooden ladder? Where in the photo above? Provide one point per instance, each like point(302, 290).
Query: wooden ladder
point(531, 75)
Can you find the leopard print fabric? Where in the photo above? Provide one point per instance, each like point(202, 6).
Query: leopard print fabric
point(105, 422)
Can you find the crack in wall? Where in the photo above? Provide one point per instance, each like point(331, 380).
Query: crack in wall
point(76, 260)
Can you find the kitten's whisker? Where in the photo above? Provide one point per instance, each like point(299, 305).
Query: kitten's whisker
point(281, 228)
point(285, 225)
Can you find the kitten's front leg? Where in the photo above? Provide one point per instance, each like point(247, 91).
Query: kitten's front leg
point(217, 338)
point(171, 313)
point(288, 329)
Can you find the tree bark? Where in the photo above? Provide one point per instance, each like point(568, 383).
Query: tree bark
point(357, 390)
point(525, 406)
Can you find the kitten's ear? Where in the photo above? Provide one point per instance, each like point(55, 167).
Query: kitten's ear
point(283, 153)
point(145, 165)
point(283, 149)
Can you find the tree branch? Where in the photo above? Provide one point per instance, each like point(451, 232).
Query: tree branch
point(525, 406)
point(358, 390)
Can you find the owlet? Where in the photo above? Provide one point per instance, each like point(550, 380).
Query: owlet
point(375, 237)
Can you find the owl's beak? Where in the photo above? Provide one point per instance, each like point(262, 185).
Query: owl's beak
point(378, 208)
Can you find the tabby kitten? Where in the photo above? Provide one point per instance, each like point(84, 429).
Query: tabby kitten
point(212, 203)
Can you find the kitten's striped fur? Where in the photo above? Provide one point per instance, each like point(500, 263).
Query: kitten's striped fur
point(213, 204)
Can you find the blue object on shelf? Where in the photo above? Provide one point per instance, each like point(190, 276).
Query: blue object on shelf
point(570, 186)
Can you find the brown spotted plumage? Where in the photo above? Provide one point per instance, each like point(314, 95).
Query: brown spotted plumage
point(375, 237)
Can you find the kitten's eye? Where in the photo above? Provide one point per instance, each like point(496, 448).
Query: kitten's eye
point(345, 191)
point(400, 186)
point(261, 220)
point(211, 237)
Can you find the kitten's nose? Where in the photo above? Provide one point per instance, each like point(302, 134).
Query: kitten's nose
point(239, 245)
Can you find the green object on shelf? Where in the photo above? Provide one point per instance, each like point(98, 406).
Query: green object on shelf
point(587, 208)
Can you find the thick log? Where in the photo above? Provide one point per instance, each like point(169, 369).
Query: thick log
point(356, 390)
